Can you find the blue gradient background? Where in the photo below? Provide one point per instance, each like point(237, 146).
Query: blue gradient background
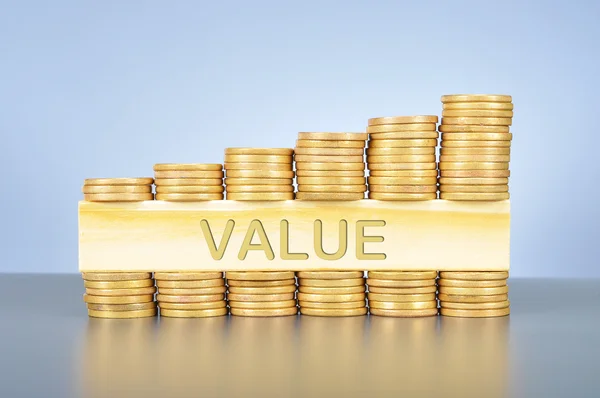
point(109, 88)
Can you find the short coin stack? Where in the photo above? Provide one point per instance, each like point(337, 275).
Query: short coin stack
point(475, 154)
point(259, 174)
point(180, 182)
point(262, 294)
point(474, 294)
point(330, 166)
point(402, 293)
point(191, 294)
point(117, 189)
point(401, 158)
point(331, 293)
point(119, 294)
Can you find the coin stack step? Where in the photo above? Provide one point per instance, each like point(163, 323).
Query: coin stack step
point(473, 294)
point(117, 189)
point(401, 158)
point(331, 293)
point(475, 153)
point(180, 182)
point(262, 294)
point(119, 294)
point(407, 294)
point(191, 294)
point(330, 166)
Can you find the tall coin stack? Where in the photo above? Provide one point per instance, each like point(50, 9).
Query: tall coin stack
point(407, 294)
point(262, 294)
point(191, 294)
point(178, 182)
point(330, 166)
point(401, 158)
point(332, 293)
point(474, 294)
point(475, 154)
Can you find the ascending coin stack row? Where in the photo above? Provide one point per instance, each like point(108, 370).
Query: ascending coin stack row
point(401, 158)
point(331, 293)
point(119, 294)
point(407, 294)
point(475, 154)
point(178, 182)
point(191, 294)
point(473, 294)
point(262, 294)
point(330, 166)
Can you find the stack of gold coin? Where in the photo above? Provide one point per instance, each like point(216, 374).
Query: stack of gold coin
point(401, 158)
point(179, 182)
point(119, 294)
point(117, 189)
point(331, 293)
point(330, 166)
point(259, 174)
point(475, 154)
point(262, 294)
point(191, 294)
point(472, 294)
point(402, 293)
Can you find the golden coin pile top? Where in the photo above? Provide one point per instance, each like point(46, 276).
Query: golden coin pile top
point(118, 189)
point(262, 294)
point(332, 293)
point(181, 182)
point(407, 294)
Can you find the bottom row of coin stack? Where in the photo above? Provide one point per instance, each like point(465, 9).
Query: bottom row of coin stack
point(191, 294)
point(262, 294)
point(402, 294)
point(332, 293)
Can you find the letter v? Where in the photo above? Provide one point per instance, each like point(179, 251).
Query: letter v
point(217, 253)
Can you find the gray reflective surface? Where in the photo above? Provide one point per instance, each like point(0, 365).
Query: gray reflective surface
point(548, 347)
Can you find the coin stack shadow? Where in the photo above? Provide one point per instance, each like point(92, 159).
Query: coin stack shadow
point(330, 166)
point(406, 294)
point(401, 158)
point(475, 153)
point(262, 294)
point(177, 182)
point(332, 293)
point(474, 294)
point(119, 294)
point(191, 294)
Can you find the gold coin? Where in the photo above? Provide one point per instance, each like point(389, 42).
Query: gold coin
point(403, 173)
point(122, 307)
point(329, 274)
point(477, 137)
point(463, 283)
point(188, 197)
point(332, 188)
point(329, 144)
point(390, 151)
point(402, 166)
point(402, 298)
point(190, 189)
point(115, 276)
point(258, 159)
point(186, 276)
point(473, 291)
point(404, 313)
point(263, 304)
point(200, 291)
point(260, 196)
point(329, 151)
point(179, 174)
point(332, 282)
point(333, 136)
point(475, 313)
point(340, 306)
point(402, 196)
point(193, 313)
point(374, 181)
point(474, 188)
point(475, 128)
point(203, 305)
point(142, 291)
point(474, 158)
point(475, 144)
point(259, 166)
point(104, 189)
point(406, 305)
point(259, 275)
point(259, 151)
point(475, 196)
point(259, 188)
point(447, 181)
point(282, 282)
point(331, 298)
point(330, 196)
point(330, 173)
point(333, 312)
point(262, 289)
point(190, 284)
point(117, 197)
point(475, 306)
point(123, 314)
point(473, 165)
point(405, 135)
point(400, 158)
point(475, 275)
point(475, 173)
point(188, 167)
point(330, 166)
point(332, 181)
point(119, 181)
point(168, 182)
point(403, 275)
point(476, 114)
point(400, 282)
point(500, 106)
point(329, 159)
point(404, 188)
point(472, 299)
point(474, 151)
point(147, 298)
point(390, 128)
point(165, 298)
point(332, 290)
point(402, 290)
point(260, 297)
point(260, 174)
point(423, 143)
point(403, 120)
point(229, 181)
point(118, 284)
point(476, 98)
point(255, 312)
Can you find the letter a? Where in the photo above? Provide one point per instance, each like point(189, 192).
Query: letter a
point(264, 245)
